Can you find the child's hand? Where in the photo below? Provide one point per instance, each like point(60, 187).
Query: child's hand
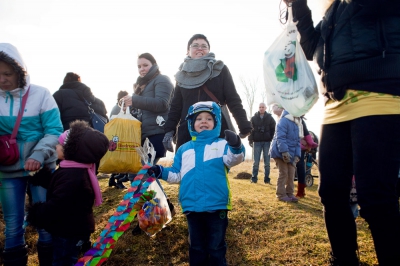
point(296, 160)
point(233, 139)
point(156, 171)
point(286, 157)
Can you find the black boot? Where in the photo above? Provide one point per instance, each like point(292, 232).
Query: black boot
point(171, 208)
point(45, 253)
point(111, 181)
point(349, 261)
point(123, 178)
point(16, 256)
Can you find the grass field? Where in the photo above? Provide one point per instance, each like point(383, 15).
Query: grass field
point(261, 231)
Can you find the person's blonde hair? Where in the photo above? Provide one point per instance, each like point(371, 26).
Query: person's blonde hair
point(326, 4)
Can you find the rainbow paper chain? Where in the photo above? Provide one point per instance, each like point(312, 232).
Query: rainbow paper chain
point(118, 223)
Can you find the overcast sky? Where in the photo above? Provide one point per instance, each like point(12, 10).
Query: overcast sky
point(100, 40)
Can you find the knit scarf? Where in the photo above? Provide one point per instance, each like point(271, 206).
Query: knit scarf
point(92, 174)
point(141, 83)
point(193, 73)
point(297, 120)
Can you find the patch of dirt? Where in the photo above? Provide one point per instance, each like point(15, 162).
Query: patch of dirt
point(243, 175)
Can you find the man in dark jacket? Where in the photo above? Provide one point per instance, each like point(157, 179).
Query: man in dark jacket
point(260, 140)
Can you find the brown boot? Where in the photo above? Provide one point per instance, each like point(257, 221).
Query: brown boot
point(301, 192)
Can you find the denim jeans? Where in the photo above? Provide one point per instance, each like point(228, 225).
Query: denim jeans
point(369, 148)
point(12, 197)
point(258, 147)
point(66, 250)
point(207, 237)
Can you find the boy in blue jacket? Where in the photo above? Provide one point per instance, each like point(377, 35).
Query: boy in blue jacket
point(201, 167)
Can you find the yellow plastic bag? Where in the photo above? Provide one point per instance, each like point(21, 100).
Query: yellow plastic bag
point(124, 134)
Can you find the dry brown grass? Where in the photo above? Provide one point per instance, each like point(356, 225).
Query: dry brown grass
point(261, 231)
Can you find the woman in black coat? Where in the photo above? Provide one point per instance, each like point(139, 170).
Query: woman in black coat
point(357, 48)
point(200, 69)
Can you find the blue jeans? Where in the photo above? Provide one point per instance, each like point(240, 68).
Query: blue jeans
point(66, 250)
point(369, 148)
point(207, 237)
point(12, 197)
point(258, 147)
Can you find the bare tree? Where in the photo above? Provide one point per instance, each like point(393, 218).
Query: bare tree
point(250, 89)
point(263, 95)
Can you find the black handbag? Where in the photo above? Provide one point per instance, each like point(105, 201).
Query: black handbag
point(98, 121)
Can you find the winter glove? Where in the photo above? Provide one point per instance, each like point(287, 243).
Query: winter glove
point(41, 178)
point(286, 157)
point(251, 144)
point(167, 141)
point(296, 160)
point(232, 139)
point(156, 171)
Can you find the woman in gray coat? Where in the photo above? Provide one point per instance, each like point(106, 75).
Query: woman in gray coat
point(152, 100)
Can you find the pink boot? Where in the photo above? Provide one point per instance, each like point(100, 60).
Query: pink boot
point(310, 142)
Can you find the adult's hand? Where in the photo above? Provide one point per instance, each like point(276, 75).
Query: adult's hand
point(245, 132)
point(167, 141)
point(32, 165)
point(287, 2)
point(127, 100)
point(251, 144)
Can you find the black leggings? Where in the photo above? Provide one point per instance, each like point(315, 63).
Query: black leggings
point(369, 148)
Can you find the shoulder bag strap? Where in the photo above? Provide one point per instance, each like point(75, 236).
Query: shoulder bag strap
point(88, 104)
point(20, 113)
point(212, 96)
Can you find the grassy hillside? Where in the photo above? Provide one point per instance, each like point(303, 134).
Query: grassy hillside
point(261, 231)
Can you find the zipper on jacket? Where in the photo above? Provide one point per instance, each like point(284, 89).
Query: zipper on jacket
point(382, 37)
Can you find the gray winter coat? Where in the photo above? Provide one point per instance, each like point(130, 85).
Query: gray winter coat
point(152, 102)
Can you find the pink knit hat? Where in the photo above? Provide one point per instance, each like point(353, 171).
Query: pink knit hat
point(62, 139)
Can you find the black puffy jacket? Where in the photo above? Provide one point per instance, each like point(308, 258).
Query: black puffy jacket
point(356, 45)
point(263, 128)
point(70, 100)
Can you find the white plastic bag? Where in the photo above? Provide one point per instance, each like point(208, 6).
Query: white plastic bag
point(289, 80)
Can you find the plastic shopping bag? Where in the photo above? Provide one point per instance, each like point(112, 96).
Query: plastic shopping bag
point(124, 134)
point(289, 80)
point(154, 213)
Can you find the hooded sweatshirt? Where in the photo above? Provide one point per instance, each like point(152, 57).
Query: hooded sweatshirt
point(201, 167)
point(40, 125)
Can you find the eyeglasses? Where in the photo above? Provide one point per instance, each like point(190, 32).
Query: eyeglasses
point(197, 46)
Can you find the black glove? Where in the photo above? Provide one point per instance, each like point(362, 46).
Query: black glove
point(232, 139)
point(167, 141)
point(245, 132)
point(41, 178)
point(251, 143)
point(156, 171)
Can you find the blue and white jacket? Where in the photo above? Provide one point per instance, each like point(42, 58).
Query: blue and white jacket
point(201, 167)
point(40, 125)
